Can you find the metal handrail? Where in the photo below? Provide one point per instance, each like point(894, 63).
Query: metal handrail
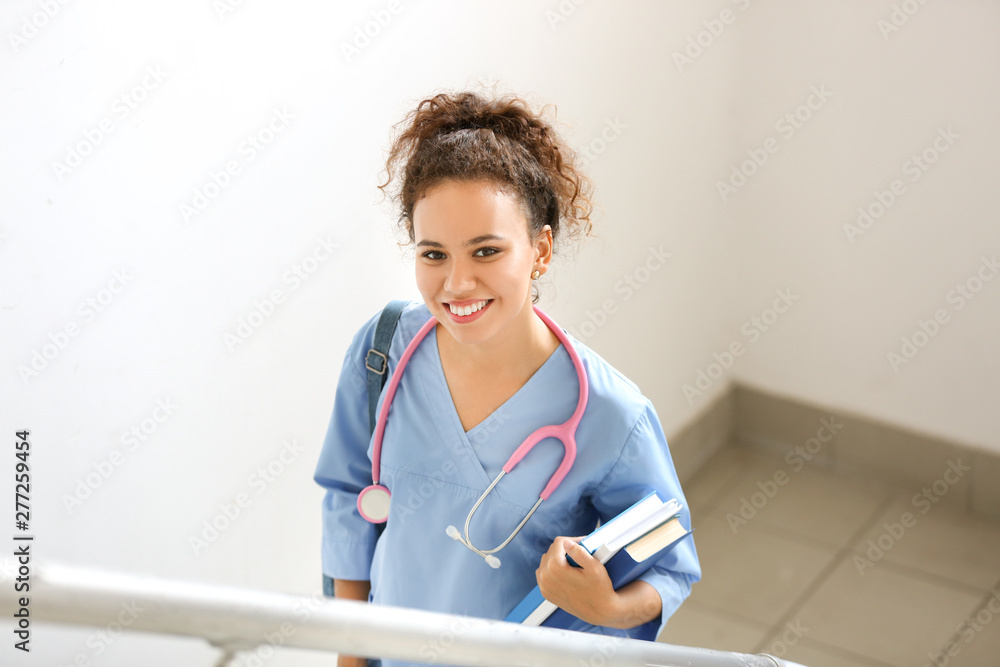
point(237, 619)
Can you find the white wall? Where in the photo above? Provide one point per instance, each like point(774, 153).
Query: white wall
point(161, 337)
point(892, 91)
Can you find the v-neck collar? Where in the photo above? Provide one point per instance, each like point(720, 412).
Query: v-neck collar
point(511, 400)
point(480, 432)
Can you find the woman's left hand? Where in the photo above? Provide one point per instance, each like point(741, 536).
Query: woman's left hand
point(584, 591)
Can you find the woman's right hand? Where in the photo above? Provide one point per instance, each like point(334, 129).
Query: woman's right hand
point(351, 661)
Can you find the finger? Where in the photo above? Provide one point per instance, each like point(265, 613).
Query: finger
point(558, 549)
point(570, 546)
point(552, 555)
point(581, 556)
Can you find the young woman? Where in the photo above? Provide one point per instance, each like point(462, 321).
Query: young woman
point(485, 189)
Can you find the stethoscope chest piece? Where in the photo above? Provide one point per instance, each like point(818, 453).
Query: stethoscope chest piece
point(373, 503)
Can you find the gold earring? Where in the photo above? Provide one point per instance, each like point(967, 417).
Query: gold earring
point(534, 276)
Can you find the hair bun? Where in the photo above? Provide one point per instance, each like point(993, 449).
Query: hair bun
point(437, 142)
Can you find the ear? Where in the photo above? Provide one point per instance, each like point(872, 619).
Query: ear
point(543, 249)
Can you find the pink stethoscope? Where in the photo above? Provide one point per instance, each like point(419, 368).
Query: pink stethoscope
point(373, 501)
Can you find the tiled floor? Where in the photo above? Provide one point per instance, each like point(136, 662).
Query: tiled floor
point(829, 570)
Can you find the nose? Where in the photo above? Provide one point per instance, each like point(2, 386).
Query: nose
point(460, 278)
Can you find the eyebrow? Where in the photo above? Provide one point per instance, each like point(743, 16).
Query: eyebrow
point(470, 242)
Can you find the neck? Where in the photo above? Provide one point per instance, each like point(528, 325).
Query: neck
point(522, 347)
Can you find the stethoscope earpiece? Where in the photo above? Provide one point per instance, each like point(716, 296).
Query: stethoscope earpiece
point(490, 559)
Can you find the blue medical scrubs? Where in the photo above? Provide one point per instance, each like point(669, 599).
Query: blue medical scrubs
point(436, 471)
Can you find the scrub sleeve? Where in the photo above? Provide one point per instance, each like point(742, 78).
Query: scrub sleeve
point(344, 469)
point(645, 460)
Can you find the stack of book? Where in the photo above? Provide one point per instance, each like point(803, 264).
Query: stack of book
point(627, 546)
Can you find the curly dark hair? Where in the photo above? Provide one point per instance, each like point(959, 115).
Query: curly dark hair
point(464, 136)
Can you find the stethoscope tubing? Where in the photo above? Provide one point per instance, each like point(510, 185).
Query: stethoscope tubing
point(565, 433)
point(390, 392)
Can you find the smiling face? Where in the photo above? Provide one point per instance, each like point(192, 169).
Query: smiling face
point(475, 258)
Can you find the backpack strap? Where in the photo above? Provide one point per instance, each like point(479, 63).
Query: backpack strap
point(377, 359)
point(377, 364)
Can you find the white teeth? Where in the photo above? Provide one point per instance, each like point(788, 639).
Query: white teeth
point(464, 311)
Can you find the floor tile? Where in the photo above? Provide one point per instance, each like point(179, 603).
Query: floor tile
point(923, 596)
point(884, 614)
point(804, 500)
point(695, 625)
point(753, 575)
point(938, 541)
point(977, 639)
point(715, 476)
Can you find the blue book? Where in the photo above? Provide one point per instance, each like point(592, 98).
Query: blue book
point(627, 546)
